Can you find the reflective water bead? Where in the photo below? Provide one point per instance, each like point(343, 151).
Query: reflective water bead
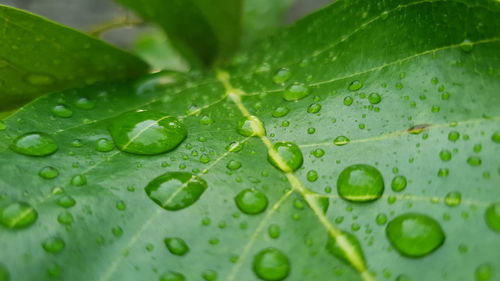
point(251, 201)
point(271, 265)
point(251, 126)
point(34, 144)
point(18, 215)
point(176, 246)
point(296, 92)
point(285, 156)
point(360, 183)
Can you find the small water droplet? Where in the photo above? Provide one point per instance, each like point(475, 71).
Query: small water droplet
point(348, 101)
point(271, 265)
point(467, 46)
point(176, 246)
point(314, 108)
point(474, 161)
point(53, 245)
point(18, 215)
point(282, 75)
point(360, 183)
point(84, 103)
point(280, 111)
point(79, 180)
point(104, 145)
point(483, 272)
point(453, 136)
point(285, 156)
point(495, 137)
point(147, 132)
point(415, 235)
point(453, 198)
point(312, 176)
point(398, 183)
point(172, 276)
point(48, 172)
point(62, 111)
point(355, 85)
point(296, 92)
point(233, 165)
point(374, 98)
point(209, 275)
point(381, 219)
point(206, 120)
point(234, 146)
point(274, 231)
point(251, 201)
point(445, 155)
point(66, 201)
point(341, 140)
point(251, 126)
point(492, 217)
point(65, 218)
point(34, 144)
point(176, 190)
point(120, 205)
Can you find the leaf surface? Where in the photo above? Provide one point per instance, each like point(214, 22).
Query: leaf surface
point(433, 65)
point(39, 56)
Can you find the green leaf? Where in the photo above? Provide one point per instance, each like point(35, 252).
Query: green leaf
point(407, 91)
point(39, 56)
point(202, 30)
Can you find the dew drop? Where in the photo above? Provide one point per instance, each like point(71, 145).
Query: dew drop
point(453, 136)
point(381, 219)
point(474, 161)
point(176, 246)
point(341, 140)
point(318, 152)
point(348, 101)
point(274, 231)
point(360, 183)
point(233, 165)
point(172, 276)
point(296, 92)
point(492, 217)
point(48, 172)
point(209, 275)
point(285, 156)
point(312, 176)
point(62, 111)
point(314, 108)
point(282, 75)
point(234, 146)
point(483, 272)
point(445, 155)
point(65, 218)
point(79, 180)
point(374, 98)
point(355, 85)
point(104, 145)
point(271, 265)
point(453, 199)
point(34, 144)
point(66, 201)
point(176, 190)
point(251, 201)
point(398, 183)
point(467, 46)
point(280, 111)
point(53, 245)
point(251, 126)
point(415, 235)
point(18, 215)
point(147, 132)
point(84, 103)
point(495, 137)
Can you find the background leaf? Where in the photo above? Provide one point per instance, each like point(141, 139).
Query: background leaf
point(203, 31)
point(400, 82)
point(39, 56)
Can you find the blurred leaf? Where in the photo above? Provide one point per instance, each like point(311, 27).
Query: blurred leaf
point(39, 56)
point(204, 31)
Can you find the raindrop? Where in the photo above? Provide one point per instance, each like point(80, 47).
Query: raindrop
point(360, 183)
point(398, 183)
point(233, 165)
point(34, 144)
point(474, 161)
point(104, 145)
point(65, 218)
point(341, 140)
point(176, 246)
point(282, 75)
point(172, 276)
point(374, 98)
point(251, 126)
point(53, 245)
point(483, 272)
point(314, 108)
point(453, 198)
point(355, 85)
point(496, 137)
point(147, 132)
point(318, 152)
point(251, 201)
point(492, 217)
point(66, 201)
point(381, 219)
point(296, 92)
point(84, 103)
point(48, 172)
point(467, 46)
point(62, 111)
point(312, 175)
point(280, 111)
point(453, 136)
point(18, 215)
point(348, 101)
point(176, 190)
point(234, 146)
point(79, 180)
point(271, 265)
point(445, 155)
point(209, 275)
point(274, 231)
point(415, 235)
point(285, 156)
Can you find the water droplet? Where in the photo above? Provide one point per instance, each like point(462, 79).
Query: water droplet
point(147, 132)
point(374, 98)
point(398, 183)
point(348, 101)
point(453, 136)
point(234, 146)
point(443, 172)
point(314, 108)
point(65, 218)
point(492, 217)
point(467, 46)
point(104, 145)
point(381, 219)
point(84, 103)
point(53, 245)
point(209, 275)
point(34, 144)
point(483, 272)
point(271, 265)
point(282, 75)
point(296, 92)
point(39, 79)
point(360, 183)
point(206, 120)
point(312, 176)
point(79, 180)
point(341, 140)
point(318, 153)
point(285, 156)
point(66, 201)
point(453, 198)
point(233, 165)
point(334, 248)
point(251, 126)
point(176, 190)
point(445, 155)
point(172, 276)
point(18, 215)
point(120, 205)
point(474, 161)
point(48, 172)
point(355, 85)
point(415, 235)
point(274, 231)
point(176, 246)
point(280, 111)
point(62, 111)
point(417, 129)
point(251, 201)
point(495, 137)
point(117, 231)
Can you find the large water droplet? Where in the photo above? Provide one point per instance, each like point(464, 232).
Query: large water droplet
point(341, 140)
point(176, 190)
point(415, 235)
point(296, 92)
point(271, 265)
point(286, 156)
point(251, 201)
point(251, 126)
point(176, 246)
point(53, 245)
point(398, 183)
point(147, 132)
point(34, 144)
point(492, 217)
point(360, 183)
point(18, 215)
